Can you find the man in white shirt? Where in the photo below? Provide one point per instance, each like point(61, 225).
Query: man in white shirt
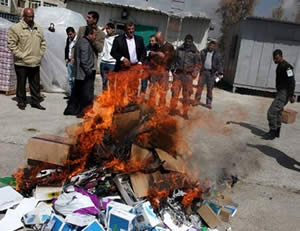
point(128, 49)
point(71, 40)
point(107, 61)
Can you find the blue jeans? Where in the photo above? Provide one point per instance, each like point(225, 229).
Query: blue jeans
point(70, 76)
point(104, 69)
point(144, 85)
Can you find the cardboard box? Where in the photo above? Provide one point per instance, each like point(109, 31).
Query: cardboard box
point(94, 226)
point(140, 184)
point(146, 218)
point(208, 215)
point(288, 116)
point(49, 148)
point(225, 214)
point(224, 199)
point(120, 220)
point(119, 206)
point(171, 164)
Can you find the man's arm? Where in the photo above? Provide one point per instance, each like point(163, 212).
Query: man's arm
point(115, 50)
point(12, 43)
point(43, 43)
point(86, 59)
point(219, 63)
point(99, 41)
point(143, 50)
point(67, 50)
point(291, 82)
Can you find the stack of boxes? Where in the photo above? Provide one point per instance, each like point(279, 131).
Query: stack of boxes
point(8, 77)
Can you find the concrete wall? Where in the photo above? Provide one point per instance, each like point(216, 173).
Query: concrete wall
point(198, 28)
point(252, 66)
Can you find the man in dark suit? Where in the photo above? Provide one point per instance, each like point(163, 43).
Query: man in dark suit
point(70, 43)
point(128, 50)
point(83, 73)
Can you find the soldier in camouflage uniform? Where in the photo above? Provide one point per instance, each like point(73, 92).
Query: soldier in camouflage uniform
point(285, 85)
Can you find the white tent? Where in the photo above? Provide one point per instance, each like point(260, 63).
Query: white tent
point(54, 75)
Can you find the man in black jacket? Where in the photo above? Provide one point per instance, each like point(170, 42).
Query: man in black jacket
point(83, 73)
point(285, 86)
point(186, 69)
point(211, 68)
point(71, 40)
point(129, 50)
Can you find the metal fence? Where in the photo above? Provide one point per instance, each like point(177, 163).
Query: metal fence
point(10, 17)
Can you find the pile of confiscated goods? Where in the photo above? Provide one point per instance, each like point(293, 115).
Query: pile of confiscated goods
point(123, 168)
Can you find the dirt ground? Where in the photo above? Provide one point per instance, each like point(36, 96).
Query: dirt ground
point(224, 140)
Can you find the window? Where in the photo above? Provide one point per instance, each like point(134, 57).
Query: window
point(35, 4)
point(4, 2)
point(49, 4)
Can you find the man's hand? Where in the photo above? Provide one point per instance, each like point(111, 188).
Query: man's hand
point(292, 99)
point(161, 54)
point(126, 62)
point(195, 74)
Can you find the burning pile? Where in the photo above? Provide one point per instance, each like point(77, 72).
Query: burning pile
point(125, 156)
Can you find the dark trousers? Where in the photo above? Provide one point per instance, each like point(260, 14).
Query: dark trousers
point(182, 82)
point(208, 78)
point(104, 69)
point(274, 112)
point(159, 85)
point(144, 86)
point(82, 94)
point(33, 75)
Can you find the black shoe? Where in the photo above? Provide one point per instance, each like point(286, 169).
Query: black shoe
point(208, 106)
point(21, 106)
point(271, 135)
point(278, 132)
point(38, 106)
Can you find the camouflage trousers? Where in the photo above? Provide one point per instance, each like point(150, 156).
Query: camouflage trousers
point(274, 112)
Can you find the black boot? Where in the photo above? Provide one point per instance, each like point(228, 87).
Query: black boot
point(278, 132)
point(271, 135)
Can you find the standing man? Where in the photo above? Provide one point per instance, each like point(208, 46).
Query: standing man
point(129, 50)
point(107, 61)
point(27, 43)
point(186, 69)
point(163, 59)
point(211, 68)
point(285, 86)
point(71, 40)
point(153, 46)
point(83, 72)
point(97, 44)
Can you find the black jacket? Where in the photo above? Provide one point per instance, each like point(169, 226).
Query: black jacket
point(67, 49)
point(120, 49)
point(187, 59)
point(285, 79)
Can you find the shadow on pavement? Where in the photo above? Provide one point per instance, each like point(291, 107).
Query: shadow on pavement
point(254, 130)
point(281, 158)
